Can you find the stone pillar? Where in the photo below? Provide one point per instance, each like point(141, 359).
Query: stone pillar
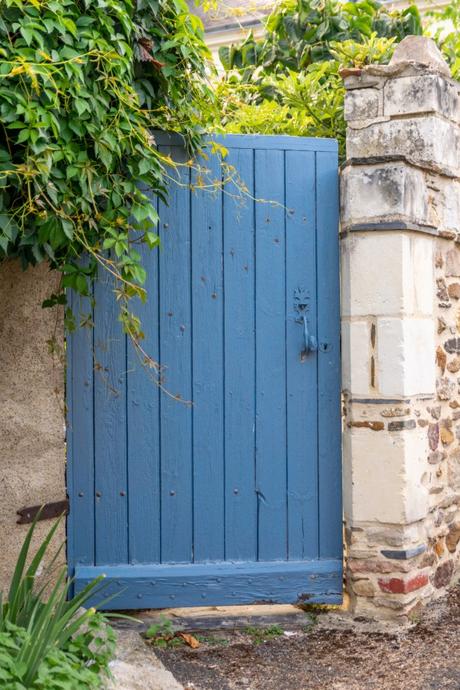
point(401, 330)
point(32, 445)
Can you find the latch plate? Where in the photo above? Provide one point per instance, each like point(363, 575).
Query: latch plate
point(301, 300)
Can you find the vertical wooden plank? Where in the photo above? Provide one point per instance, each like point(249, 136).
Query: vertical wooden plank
point(301, 372)
point(329, 423)
point(110, 431)
point(208, 367)
point(143, 415)
point(270, 355)
point(80, 451)
point(175, 356)
point(239, 327)
point(70, 473)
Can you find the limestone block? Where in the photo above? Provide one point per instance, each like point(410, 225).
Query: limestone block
point(420, 50)
point(405, 356)
point(383, 476)
point(387, 273)
point(360, 79)
point(448, 203)
point(392, 192)
point(399, 193)
point(136, 667)
point(418, 275)
point(453, 263)
point(429, 141)
point(363, 104)
point(425, 93)
point(355, 357)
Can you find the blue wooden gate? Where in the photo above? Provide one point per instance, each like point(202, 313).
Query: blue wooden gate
point(235, 498)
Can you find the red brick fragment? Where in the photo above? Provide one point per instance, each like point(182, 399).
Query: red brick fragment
point(397, 585)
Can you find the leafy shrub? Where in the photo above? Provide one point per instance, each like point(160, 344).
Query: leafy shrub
point(445, 29)
point(288, 82)
point(299, 33)
point(305, 103)
point(72, 668)
point(50, 641)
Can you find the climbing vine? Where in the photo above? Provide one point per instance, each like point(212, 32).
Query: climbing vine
point(83, 86)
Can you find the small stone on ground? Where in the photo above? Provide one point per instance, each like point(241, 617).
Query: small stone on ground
point(136, 667)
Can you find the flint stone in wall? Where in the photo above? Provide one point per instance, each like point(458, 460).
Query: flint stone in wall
point(453, 537)
point(430, 142)
point(433, 436)
point(452, 345)
point(445, 388)
point(441, 290)
point(443, 574)
point(453, 467)
point(454, 290)
point(436, 457)
point(453, 263)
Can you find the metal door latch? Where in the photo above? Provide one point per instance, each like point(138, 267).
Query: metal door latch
point(302, 307)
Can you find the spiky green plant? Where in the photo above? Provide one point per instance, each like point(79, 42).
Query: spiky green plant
point(45, 610)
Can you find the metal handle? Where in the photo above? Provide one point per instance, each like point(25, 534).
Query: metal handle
point(310, 341)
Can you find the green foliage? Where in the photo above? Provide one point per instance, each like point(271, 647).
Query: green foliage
point(299, 33)
point(164, 634)
point(82, 84)
point(260, 635)
point(58, 669)
point(213, 640)
point(164, 628)
point(445, 29)
point(305, 103)
point(308, 103)
point(289, 81)
point(372, 50)
point(50, 641)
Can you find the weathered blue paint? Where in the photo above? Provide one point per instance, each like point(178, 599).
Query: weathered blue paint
point(143, 425)
point(258, 141)
point(80, 436)
point(175, 333)
point(302, 375)
point(328, 305)
point(209, 584)
point(232, 492)
point(240, 371)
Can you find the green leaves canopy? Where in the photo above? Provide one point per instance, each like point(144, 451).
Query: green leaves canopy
point(82, 83)
point(299, 33)
point(288, 82)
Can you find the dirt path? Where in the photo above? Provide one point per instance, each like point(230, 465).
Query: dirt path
point(424, 658)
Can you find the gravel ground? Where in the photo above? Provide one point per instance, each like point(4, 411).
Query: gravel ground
point(427, 657)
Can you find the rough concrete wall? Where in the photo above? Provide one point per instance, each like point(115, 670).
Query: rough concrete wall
point(401, 344)
point(32, 451)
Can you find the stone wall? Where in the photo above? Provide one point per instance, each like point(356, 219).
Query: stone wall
point(32, 450)
point(401, 331)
